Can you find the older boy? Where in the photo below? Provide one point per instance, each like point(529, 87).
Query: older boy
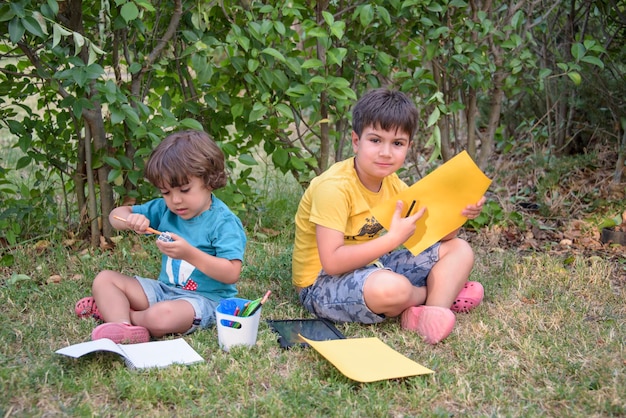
point(344, 269)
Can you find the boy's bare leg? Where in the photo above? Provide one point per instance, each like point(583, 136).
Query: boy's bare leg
point(116, 294)
point(167, 317)
point(389, 293)
point(450, 273)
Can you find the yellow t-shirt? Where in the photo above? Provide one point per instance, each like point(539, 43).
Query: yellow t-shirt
point(336, 199)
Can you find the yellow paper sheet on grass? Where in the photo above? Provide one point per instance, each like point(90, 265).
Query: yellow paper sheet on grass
point(367, 359)
point(445, 193)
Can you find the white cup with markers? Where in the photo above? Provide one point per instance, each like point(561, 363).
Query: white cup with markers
point(238, 321)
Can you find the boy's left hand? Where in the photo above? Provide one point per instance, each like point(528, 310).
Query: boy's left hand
point(472, 211)
point(175, 249)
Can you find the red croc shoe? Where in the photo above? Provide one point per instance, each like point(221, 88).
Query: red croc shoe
point(86, 308)
point(432, 323)
point(468, 298)
point(121, 333)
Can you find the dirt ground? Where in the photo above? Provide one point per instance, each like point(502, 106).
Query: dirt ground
point(563, 218)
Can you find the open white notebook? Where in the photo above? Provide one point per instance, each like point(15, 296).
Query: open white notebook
point(139, 356)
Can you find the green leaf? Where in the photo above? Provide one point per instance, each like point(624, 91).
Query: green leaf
point(33, 26)
point(41, 21)
point(79, 41)
point(312, 63)
point(334, 57)
point(253, 65)
point(114, 175)
point(23, 162)
point(317, 32)
point(16, 30)
point(384, 15)
point(7, 260)
point(131, 115)
point(328, 17)
point(112, 161)
point(7, 15)
point(318, 79)
point(16, 278)
point(544, 72)
point(237, 110)
point(134, 68)
point(258, 111)
point(129, 11)
point(575, 77)
point(366, 15)
point(338, 29)
point(284, 110)
point(247, 159)
point(57, 32)
point(229, 149)
point(298, 164)
point(117, 115)
point(280, 28)
point(274, 53)
point(589, 59)
point(578, 51)
point(145, 4)
point(280, 157)
point(191, 124)
point(518, 19)
point(434, 117)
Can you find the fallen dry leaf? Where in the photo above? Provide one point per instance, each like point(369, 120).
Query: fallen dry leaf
point(55, 278)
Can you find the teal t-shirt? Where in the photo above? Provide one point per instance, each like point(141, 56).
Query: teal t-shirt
point(216, 231)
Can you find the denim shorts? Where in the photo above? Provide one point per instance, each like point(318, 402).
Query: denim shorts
point(340, 298)
point(204, 308)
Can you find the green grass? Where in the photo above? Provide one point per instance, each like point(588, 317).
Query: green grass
point(548, 341)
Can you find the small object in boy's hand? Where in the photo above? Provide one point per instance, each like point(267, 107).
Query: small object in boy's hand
point(165, 237)
point(410, 209)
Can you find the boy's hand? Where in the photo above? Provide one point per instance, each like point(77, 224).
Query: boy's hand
point(472, 211)
point(403, 227)
point(137, 222)
point(177, 248)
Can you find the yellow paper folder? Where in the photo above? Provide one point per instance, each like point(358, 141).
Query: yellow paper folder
point(445, 193)
point(367, 359)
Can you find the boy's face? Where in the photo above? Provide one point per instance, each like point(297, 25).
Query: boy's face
point(379, 153)
point(189, 200)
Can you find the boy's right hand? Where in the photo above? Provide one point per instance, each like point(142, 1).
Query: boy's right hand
point(404, 228)
point(138, 223)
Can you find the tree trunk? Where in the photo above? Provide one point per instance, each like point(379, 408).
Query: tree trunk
point(621, 158)
point(471, 113)
point(324, 156)
point(92, 206)
point(487, 141)
point(443, 123)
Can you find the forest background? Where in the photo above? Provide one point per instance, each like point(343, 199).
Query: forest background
point(533, 90)
point(87, 88)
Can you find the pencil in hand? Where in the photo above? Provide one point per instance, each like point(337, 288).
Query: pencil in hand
point(408, 213)
point(150, 230)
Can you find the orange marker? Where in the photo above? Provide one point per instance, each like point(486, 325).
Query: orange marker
point(150, 230)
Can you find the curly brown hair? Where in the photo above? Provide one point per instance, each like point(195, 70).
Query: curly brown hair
point(186, 154)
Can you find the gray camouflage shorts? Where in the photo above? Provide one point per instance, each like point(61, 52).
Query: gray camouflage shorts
point(340, 298)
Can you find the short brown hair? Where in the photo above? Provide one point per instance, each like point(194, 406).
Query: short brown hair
point(385, 109)
point(186, 154)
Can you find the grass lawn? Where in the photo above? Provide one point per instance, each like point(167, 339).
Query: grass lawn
point(549, 340)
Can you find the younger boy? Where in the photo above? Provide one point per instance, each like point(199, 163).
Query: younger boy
point(201, 264)
point(344, 269)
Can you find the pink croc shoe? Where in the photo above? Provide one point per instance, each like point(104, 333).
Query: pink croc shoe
point(432, 323)
point(86, 308)
point(468, 298)
point(121, 333)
